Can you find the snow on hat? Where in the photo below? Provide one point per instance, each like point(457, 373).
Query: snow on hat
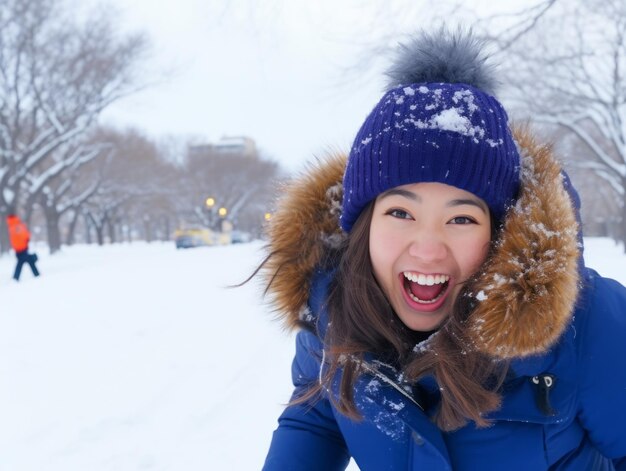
point(438, 122)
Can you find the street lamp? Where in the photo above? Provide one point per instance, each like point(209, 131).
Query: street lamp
point(209, 204)
point(268, 216)
point(222, 212)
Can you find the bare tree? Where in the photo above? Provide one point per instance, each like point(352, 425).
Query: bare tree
point(56, 76)
point(73, 207)
point(242, 184)
point(134, 185)
point(53, 189)
point(577, 82)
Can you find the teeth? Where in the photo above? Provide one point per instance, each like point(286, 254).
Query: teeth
point(426, 280)
point(418, 300)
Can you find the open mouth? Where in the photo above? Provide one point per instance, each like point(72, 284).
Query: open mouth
point(425, 289)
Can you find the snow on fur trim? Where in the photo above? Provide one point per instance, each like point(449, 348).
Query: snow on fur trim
point(442, 56)
point(527, 290)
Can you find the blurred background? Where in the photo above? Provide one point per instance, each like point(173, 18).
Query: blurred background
point(124, 121)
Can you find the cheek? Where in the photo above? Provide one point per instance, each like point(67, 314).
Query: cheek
point(377, 252)
point(472, 253)
point(383, 248)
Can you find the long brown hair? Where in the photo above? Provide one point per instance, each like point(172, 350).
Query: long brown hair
point(362, 321)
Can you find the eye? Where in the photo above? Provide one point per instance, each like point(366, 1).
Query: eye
point(399, 213)
point(462, 220)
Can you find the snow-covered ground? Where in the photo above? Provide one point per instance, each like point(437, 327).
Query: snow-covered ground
point(136, 357)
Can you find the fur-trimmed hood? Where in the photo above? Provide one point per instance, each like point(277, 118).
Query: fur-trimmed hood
point(525, 292)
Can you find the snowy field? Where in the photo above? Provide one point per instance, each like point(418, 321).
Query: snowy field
point(136, 357)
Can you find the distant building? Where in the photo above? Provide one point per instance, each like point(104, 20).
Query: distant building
point(240, 145)
point(236, 145)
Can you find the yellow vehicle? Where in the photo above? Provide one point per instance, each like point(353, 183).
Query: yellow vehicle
point(188, 238)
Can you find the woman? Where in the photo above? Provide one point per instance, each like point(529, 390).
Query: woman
point(446, 318)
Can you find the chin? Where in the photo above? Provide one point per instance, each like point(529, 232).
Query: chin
point(423, 322)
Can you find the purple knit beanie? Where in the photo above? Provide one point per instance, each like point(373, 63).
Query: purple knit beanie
point(438, 122)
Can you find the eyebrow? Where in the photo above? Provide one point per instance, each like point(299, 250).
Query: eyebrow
point(399, 192)
point(456, 202)
point(472, 202)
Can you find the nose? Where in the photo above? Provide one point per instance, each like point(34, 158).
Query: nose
point(428, 247)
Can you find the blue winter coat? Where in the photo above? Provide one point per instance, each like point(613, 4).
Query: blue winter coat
point(587, 432)
point(563, 406)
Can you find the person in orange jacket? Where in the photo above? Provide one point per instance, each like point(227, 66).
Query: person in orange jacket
point(19, 236)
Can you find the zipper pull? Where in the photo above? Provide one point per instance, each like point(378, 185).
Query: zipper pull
point(544, 384)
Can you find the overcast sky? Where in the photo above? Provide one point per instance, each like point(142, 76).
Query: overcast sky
point(272, 70)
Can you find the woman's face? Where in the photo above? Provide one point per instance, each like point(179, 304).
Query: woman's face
point(426, 240)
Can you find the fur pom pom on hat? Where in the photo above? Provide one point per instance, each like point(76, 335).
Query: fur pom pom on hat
point(443, 57)
point(438, 122)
